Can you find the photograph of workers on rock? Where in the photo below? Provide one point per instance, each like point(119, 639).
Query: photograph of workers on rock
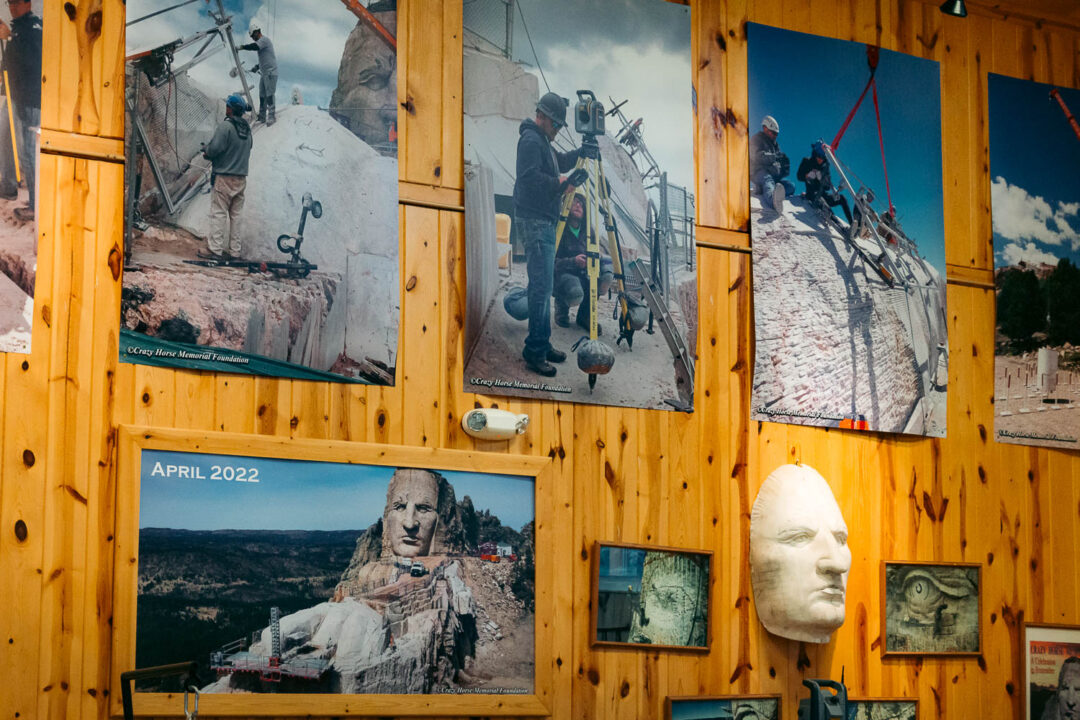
point(1035, 206)
point(579, 205)
point(319, 577)
point(847, 228)
point(20, 119)
point(261, 215)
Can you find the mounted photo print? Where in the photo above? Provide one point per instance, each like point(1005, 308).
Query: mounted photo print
point(1035, 203)
point(745, 707)
point(579, 206)
point(1051, 672)
point(882, 710)
point(261, 205)
point(350, 571)
point(649, 596)
point(930, 608)
point(847, 227)
point(20, 121)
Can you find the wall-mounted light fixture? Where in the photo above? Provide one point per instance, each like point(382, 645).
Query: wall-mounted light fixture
point(954, 7)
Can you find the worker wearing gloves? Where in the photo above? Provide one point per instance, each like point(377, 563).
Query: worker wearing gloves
point(228, 153)
point(814, 171)
point(267, 68)
point(538, 189)
point(571, 260)
point(22, 62)
point(769, 166)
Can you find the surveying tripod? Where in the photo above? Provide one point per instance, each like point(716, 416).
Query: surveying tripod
point(597, 198)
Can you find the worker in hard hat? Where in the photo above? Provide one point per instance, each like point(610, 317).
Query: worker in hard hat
point(571, 265)
point(228, 152)
point(814, 171)
point(22, 63)
point(267, 69)
point(538, 188)
point(769, 166)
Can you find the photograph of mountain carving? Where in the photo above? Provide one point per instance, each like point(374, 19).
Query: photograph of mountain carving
point(847, 228)
point(291, 576)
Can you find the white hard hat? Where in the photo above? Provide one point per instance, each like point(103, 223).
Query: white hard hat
point(769, 123)
point(254, 26)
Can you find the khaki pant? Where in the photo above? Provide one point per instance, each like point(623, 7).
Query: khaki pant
point(226, 203)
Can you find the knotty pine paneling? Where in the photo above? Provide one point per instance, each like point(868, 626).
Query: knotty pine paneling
point(620, 475)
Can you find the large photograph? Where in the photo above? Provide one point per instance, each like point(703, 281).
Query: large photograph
point(1035, 203)
point(261, 215)
point(20, 120)
point(847, 224)
point(579, 206)
point(293, 576)
point(723, 708)
point(1052, 672)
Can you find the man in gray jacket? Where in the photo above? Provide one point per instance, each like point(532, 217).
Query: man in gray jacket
point(228, 152)
point(267, 68)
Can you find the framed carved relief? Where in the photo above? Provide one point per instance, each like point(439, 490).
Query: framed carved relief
point(742, 707)
point(930, 608)
point(331, 578)
point(650, 597)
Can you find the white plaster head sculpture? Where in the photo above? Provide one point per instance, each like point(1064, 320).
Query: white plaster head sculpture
point(799, 557)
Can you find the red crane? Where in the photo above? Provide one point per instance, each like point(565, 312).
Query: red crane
point(1065, 108)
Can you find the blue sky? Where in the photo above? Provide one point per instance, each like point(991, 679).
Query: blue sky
point(300, 495)
point(809, 84)
point(1035, 186)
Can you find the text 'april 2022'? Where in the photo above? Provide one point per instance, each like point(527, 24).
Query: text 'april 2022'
point(227, 473)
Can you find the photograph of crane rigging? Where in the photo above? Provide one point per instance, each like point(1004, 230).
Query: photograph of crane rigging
point(848, 235)
point(261, 215)
point(579, 210)
point(20, 118)
point(1035, 205)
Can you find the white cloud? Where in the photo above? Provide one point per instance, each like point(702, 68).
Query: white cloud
point(656, 83)
point(1014, 253)
point(1019, 215)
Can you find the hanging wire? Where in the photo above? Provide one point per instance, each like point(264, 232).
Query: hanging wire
point(535, 57)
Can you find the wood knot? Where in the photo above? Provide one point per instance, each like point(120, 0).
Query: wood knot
point(20, 531)
point(69, 10)
point(28, 458)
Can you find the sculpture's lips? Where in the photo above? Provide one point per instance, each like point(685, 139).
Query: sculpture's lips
point(409, 540)
point(832, 593)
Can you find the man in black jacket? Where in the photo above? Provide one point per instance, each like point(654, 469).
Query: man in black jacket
point(768, 166)
point(814, 171)
point(22, 61)
point(538, 189)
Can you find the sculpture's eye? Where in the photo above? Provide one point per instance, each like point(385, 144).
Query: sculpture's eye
point(922, 594)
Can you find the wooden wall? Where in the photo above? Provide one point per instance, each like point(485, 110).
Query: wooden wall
point(621, 475)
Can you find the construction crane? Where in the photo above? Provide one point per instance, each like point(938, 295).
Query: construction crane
point(368, 19)
point(1065, 109)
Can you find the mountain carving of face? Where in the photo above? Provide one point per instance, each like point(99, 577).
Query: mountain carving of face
point(799, 556)
point(412, 512)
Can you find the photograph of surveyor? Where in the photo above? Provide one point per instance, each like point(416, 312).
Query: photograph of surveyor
point(20, 119)
point(314, 577)
point(847, 228)
point(261, 215)
point(1035, 204)
point(579, 205)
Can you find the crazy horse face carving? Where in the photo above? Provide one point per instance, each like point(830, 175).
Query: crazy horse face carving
point(799, 556)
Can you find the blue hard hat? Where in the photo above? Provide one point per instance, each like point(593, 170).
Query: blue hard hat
point(238, 105)
point(817, 150)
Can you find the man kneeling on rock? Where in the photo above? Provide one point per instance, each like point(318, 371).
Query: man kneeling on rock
point(228, 153)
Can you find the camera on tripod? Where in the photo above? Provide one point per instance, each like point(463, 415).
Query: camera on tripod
point(588, 114)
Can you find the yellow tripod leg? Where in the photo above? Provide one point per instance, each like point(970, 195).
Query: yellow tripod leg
point(616, 252)
point(11, 124)
point(592, 253)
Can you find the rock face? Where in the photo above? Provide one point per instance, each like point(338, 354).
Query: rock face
point(365, 99)
point(834, 340)
point(307, 151)
point(674, 600)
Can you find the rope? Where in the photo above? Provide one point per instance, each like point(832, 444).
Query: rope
point(881, 141)
point(158, 12)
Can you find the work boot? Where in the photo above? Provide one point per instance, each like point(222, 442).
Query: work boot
point(24, 214)
point(9, 192)
point(778, 195)
point(560, 320)
point(556, 356)
point(540, 367)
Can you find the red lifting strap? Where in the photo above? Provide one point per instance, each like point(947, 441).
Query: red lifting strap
point(881, 141)
point(872, 57)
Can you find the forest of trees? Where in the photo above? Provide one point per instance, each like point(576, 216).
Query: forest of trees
point(1032, 312)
